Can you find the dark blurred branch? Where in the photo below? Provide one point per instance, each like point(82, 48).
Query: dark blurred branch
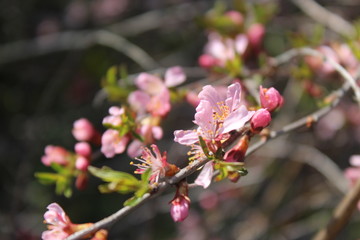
point(75, 40)
point(341, 214)
point(112, 36)
point(325, 17)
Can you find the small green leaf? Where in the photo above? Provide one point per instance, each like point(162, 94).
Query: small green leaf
point(145, 176)
point(109, 175)
point(204, 147)
point(46, 178)
point(111, 75)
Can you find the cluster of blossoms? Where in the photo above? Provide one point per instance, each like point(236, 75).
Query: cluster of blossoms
point(225, 51)
point(217, 115)
point(139, 124)
point(60, 225)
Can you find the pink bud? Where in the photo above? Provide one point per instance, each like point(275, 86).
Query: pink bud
point(83, 149)
point(82, 163)
point(237, 153)
point(235, 17)
point(55, 154)
point(179, 208)
point(260, 120)
point(207, 61)
point(256, 34)
point(270, 98)
point(82, 181)
point(83, 130)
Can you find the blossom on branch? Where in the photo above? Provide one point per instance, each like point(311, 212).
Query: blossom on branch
point(155, 161)
point(270, 98)
point(55, 154)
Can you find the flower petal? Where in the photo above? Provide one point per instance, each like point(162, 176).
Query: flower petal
point(186, 137)
point(237, 119)
point(174, 76)
point(205, 176)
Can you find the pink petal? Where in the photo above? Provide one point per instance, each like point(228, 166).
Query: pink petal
point(233, 96)
point(355, 160)
point(157, 132)
point(135, 148)
point(241, 43)
point(187, 137)
point(211, 95)
point(138, 101)
point(150, 84)
point(174, 76)
point(237, 119)
point(205, 176)
point(159, 105)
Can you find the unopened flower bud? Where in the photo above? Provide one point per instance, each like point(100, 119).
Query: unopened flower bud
point(179, 209)
point(83, 130)
point(181, 203)
point(81, 181)
point(237, 153)
point(83, 149)
point(82, 163)
point(260, 120)
point(207, 61)
point(235, 17)
point(100, 235)
point(270, 98)
point(256, 34)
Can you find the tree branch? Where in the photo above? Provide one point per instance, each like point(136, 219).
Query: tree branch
point(341, 215)
point(325, 17)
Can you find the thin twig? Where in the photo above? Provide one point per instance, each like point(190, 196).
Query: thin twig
point(108, 221)
point(288, 55)
point(325, 17)
point(341, 214)
point(314, 117)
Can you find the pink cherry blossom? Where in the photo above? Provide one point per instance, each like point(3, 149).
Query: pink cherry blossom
point(114, 119)
point(206, 175)
point(59, 223)
point(353, 173)
point(270, 98)
point(113, 143)
point(216, 115)
point(157, 162)
point(83, 130)
point(55, 154)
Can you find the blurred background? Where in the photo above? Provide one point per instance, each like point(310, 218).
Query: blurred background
point(53, 55)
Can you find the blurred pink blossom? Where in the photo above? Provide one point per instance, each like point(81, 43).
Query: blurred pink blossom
point(83, 130)
point(55, 154)
point(59, 223)
point(83, 149)
point(113, 143)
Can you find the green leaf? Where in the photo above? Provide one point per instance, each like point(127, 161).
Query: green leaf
point(60, 169)
point(111, 75)
point(146, 176)
point(204, 147)
point(109, 175)
point(47, 178)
